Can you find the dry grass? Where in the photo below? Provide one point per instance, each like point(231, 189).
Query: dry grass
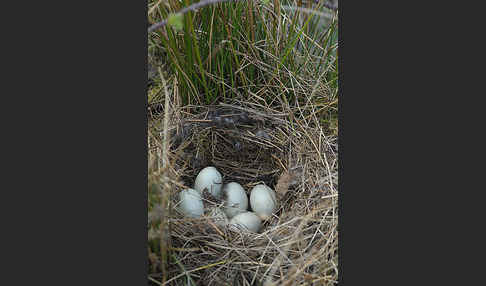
point(271, 74)
point(249, 142)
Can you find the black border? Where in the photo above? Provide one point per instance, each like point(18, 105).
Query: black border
point(340, 145)
point(84, 185)
point(390, 109)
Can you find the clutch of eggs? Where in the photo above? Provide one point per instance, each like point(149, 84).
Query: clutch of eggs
point(234, 210)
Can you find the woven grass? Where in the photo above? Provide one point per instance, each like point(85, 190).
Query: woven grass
point(248, 142)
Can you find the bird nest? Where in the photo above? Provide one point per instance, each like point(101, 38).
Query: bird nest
point(249, 144)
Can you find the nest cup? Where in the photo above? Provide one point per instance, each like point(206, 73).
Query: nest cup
point(242, 148)
point(248, 147)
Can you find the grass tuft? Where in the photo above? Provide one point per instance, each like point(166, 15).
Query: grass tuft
point(250, 87)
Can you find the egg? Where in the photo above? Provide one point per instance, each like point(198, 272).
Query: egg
point(191, 203)
point(211, 179)
point(218, 216)
point(247, 220)
point(236, 200)
point(263, 201)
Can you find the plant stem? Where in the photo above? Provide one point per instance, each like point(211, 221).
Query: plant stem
point(192, 7)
